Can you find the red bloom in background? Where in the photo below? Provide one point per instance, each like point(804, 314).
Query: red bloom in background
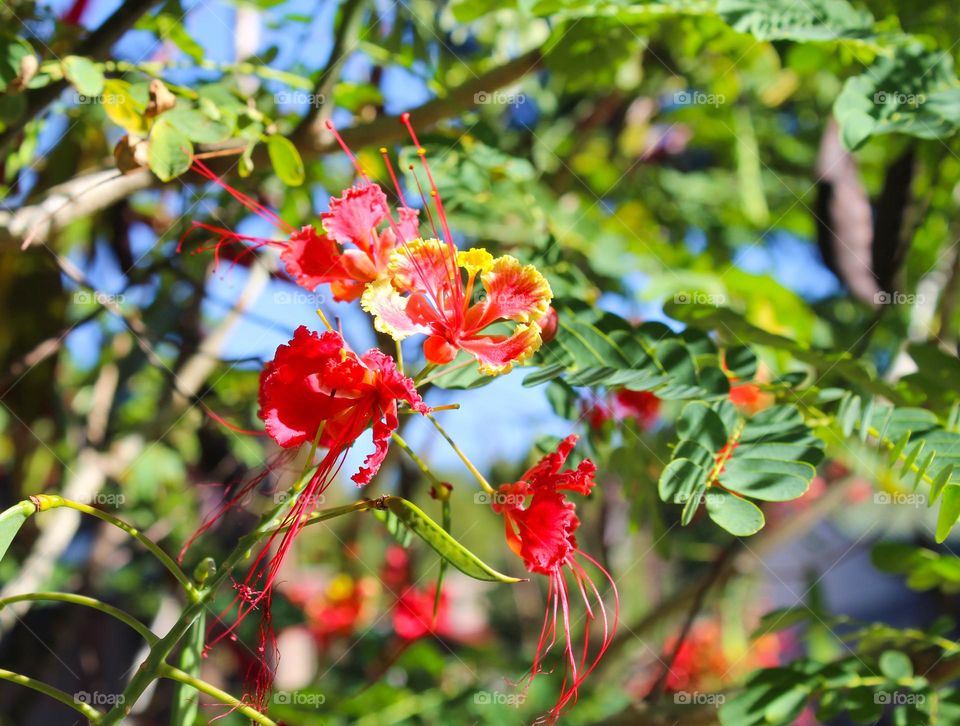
point(338, 609)
point(640, 405)
point(540, 527)
point(413, 613)
point(643, 406)
point(749, 398)
point(359, 235)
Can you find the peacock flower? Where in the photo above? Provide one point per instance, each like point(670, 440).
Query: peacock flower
point(429, 290)
point(317, 391)
point(541, 525)
point(359, 233)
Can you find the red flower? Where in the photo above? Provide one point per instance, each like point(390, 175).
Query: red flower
point(413, 613)
point(360, 235)
point(317, 390)
point(424, 291)
point(540, 528)
point(640, 405)
point(749, 398)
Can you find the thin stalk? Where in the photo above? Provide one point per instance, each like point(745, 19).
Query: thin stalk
point(92, 714)
point(44, 502)
point(463, 457)
point(68, 597)
point(175, 674)
point(156, 658)
point(416, 459)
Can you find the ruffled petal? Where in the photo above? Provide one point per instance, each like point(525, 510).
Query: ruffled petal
point(497, 354)
point(427, 266)
point(546, 474)
point(382, 428)
point(312, 258)
point(392, 384)
point(513, 292)
point(389, 310)
point(295, 386)
point(354, 217)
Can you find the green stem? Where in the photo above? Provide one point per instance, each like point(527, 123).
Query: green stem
point(175, 674)
point(463, 457)
point(156, 658)
point(416, 458)
point(92, 714)
point(44, 502)
point(89, 602)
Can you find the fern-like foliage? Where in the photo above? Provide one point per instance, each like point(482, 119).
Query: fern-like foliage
point(724, 460)
point(596, 348)
point(918, 447)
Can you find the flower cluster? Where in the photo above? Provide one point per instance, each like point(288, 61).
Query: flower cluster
point(318, 392)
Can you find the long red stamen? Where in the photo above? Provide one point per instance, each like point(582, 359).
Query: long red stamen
point(251, 204)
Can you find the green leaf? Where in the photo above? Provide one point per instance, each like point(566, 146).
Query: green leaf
point(914, 91)
point(443, 543)
point(84, 74)
point(170, 153)
point(122, 108)
point(10, 522)
point(949, 511)
point(896, 665)
point(286, 160)
point(196, 125)
point(736, 515)
point(801, 21)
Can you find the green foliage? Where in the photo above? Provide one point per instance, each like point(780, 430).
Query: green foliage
point(914, 91)
point(806, 21)
point(723, 460)
point(595, 348)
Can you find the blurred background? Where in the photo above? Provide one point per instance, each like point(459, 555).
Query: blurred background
point(641, 155)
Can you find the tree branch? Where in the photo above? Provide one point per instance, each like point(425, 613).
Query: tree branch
point(90, 193)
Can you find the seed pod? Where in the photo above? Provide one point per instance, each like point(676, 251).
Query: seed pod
point(161, 99)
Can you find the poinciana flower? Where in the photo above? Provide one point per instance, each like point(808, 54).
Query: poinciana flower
point(424, 292)
point(429, 288)
point(540, 527)
point(318, 391)
point(357, 238)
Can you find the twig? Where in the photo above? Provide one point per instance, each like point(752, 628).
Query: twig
point(718, 566)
